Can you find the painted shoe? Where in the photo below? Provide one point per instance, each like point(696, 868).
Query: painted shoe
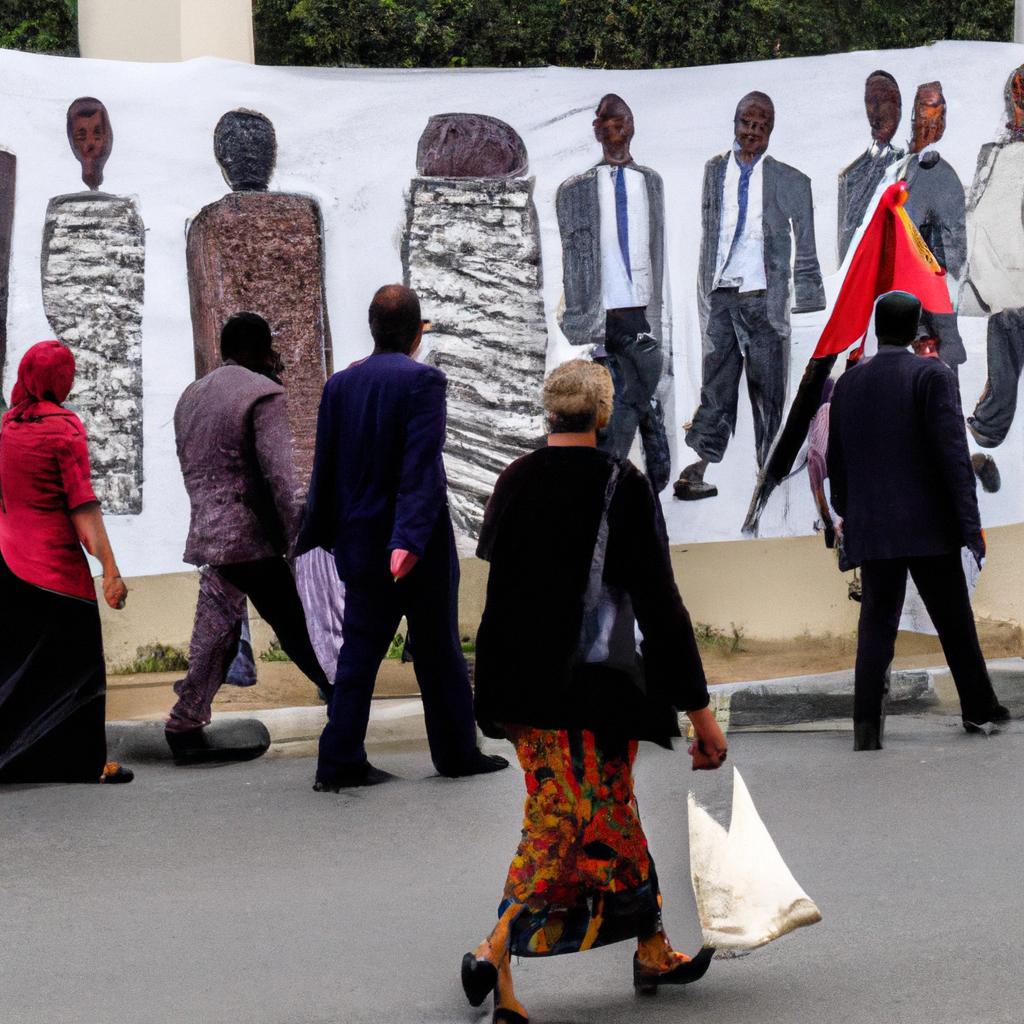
point(478, 979)
point(693, 490)
point(987, 472)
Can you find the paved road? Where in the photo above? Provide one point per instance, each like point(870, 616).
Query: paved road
point(237, 894)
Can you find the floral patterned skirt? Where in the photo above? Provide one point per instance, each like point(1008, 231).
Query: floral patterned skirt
point(582, 873)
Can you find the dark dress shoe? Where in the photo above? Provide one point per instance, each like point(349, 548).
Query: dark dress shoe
point(646, 981)
point(996, 717)
point(348, 778)
point(867, 736)
point(478, 978)
point(115, 774)
point(482, 764)
point(219, 742)
point(693, 490)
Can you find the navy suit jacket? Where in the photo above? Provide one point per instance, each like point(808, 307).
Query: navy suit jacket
point(899, 468)
point(378, 480)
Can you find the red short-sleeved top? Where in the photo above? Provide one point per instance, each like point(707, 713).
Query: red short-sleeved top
point(44, 475)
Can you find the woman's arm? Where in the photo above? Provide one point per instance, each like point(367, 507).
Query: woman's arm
point(88, 522)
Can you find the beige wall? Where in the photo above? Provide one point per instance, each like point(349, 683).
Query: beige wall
point(165, 30)
point(769, 589)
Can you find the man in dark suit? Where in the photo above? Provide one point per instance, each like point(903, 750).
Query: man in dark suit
point(612, 222)
point(901, 478)
point(378, 500)
point(753, 210)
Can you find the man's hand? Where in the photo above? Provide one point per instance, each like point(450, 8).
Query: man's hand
point(709, 748)
point(115, 593)
point(979, 548)
point(402, 563)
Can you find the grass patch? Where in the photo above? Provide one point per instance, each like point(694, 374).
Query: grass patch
point(274, 652)
point(154, 658)
point(711, 638)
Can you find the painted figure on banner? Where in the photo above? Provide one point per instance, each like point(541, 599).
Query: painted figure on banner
point(755, 211)
point(93, 281)
point(860, 179)
point(8, 168)
point(472, 253)
point(936, 206)
point(260, 251)
point(994, 286)
point(612, 222)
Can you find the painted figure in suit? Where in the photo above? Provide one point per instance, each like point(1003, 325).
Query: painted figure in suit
point(935, 204)
point(754, 209)
point(378, 499)
point(995, 280)
point(901, 478)
point(858, 181)
point(612, 223)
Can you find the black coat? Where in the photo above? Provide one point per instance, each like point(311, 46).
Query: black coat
point(899, 469)
point(538, 534)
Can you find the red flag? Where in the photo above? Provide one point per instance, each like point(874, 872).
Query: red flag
point(891, 256)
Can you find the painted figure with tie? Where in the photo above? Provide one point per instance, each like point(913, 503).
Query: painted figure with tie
point(612, 223)
point(754, 209)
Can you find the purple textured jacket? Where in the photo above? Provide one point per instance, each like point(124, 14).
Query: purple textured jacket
point(235, 450)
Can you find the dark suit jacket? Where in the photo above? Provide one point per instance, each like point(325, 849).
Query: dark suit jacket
point(857, 184)
point(786, 204)
point(936, 204)
point(235, 449)
point(899, 469)
point(378, 480)
point(579, 223)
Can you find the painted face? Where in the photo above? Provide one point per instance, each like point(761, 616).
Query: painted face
point(929, 119)
point(613, 128)
point(1017, 95)
point(884, 109)
point(753, 126)
point(91, 141)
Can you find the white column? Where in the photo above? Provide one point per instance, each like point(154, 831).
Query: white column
point(165, 30)
point(1018, 21)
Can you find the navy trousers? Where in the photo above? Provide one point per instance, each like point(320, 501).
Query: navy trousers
point(374, 606)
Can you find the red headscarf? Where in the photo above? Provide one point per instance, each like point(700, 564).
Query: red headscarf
point(46, 374)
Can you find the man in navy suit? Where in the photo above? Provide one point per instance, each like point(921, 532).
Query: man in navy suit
point(902, 480)
point(378, 499)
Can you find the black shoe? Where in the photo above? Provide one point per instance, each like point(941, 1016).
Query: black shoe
point(358, 775)
point(503, 1015)
point(646, 981)
point(115, 774)
point(867, 735)
point(219, 742)
point(996, 717)
point(987, 472)
point(482, 764)
point(478, 978)
point(693, 490)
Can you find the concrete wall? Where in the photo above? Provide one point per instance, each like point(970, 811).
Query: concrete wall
point(771, 590)
point(165, 30)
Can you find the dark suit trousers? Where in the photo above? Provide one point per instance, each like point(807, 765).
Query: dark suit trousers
point(428, 598)
point(270, 586)
point(635, 361)
point(994, 414)
point(943, 588)
point(739, 336)
point(944, 329)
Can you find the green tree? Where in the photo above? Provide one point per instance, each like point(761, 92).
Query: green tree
point(41, 26)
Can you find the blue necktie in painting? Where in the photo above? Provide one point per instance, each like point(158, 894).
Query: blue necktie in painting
point(622, 217)
point(742, 194)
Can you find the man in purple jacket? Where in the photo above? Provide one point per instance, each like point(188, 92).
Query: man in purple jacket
point(235, 449)
point(378, 499)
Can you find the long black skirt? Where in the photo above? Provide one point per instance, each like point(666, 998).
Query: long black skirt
point(52, 685)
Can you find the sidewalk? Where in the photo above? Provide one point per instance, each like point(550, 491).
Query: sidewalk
point(820, 702)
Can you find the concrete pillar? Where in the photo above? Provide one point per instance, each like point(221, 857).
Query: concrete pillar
point(1018, 21)
point(165, 30)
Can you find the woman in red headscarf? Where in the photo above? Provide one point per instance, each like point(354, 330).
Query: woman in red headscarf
point(52, 676)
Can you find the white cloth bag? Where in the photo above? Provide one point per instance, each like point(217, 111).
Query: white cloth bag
point(746, 896)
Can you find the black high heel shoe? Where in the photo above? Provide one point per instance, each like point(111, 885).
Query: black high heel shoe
point(646, 981)
point(503, 1015)
point(478, 978)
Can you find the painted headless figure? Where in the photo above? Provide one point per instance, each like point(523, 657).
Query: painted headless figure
point(93, 278)
point(262, 252)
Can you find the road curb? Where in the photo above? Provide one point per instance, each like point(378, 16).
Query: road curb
point(803, 703)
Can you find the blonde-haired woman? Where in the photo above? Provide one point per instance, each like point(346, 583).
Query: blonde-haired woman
point(582, 876)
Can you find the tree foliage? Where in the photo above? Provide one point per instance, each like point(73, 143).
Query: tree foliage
point(41, 26)
point(605, 33)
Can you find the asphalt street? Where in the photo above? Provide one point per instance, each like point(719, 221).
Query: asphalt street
point(236, 894)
